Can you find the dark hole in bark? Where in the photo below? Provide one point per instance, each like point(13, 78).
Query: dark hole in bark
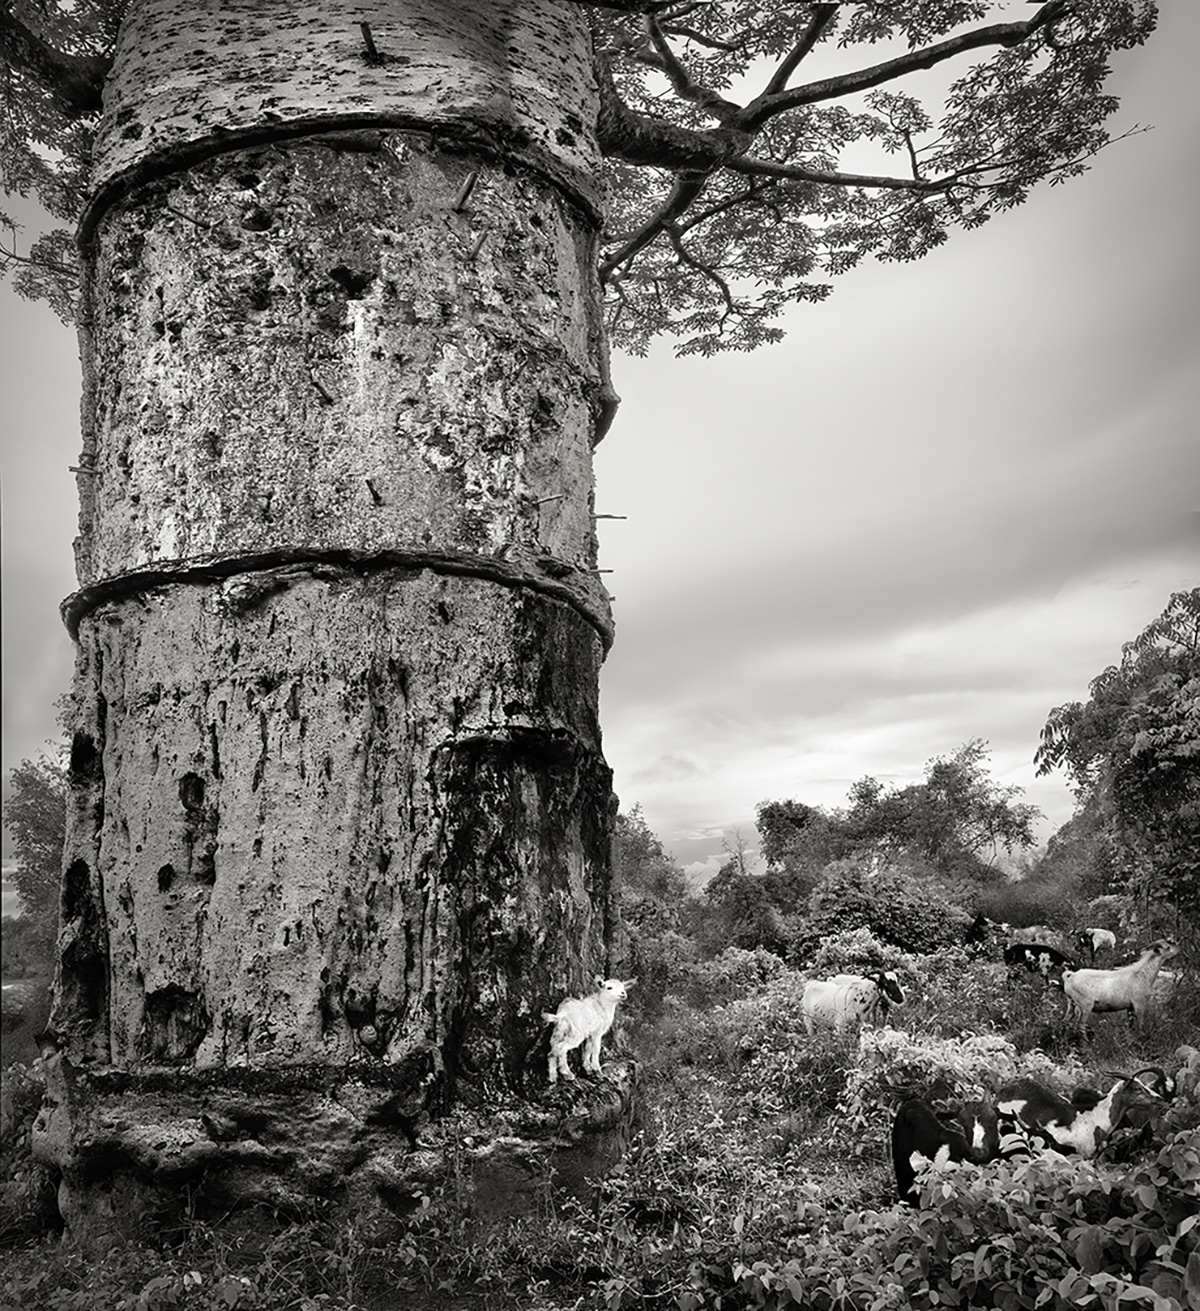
point(166, 876)
point(191, 791)
point(206, 865)
point(85, 758)
point(175, 1024)
point(257, 219)
point(76, 891)
point(353, 284)
point(85, 978)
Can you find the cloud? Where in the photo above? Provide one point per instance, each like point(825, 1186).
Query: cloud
point(673, 769)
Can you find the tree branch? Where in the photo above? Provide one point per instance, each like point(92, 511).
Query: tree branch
point(672, 28)
point(685, 189)
point(768, 106)
point(798, 173)
point(712, 103)
point(624, 133)
point(706, 270)
point(74, 81)
point(62, 269)
point(822, 17)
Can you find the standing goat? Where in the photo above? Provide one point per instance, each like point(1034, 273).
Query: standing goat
point(848, 1000)
point(584, 1020)
point(1126, 989)
point(1092, 940)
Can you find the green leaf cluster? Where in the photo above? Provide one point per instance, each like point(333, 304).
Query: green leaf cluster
point(1132, 753)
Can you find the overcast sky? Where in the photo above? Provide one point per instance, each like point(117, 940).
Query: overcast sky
point(933, 512)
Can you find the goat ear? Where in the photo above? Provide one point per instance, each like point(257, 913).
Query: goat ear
point(598, 980)
point(629, 982)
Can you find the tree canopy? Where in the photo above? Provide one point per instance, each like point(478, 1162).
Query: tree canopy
point(754, 151)
point(1132, 753)
point(36, 815)
point(954, 824)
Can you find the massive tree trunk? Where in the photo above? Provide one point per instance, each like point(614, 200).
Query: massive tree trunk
point(340, 818)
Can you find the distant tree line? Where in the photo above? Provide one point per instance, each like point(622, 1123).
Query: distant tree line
point(915, 864)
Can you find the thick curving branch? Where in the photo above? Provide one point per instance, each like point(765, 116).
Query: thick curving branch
point(770, 104)
point(823, 15)
point(637, 138)
point(685, 86)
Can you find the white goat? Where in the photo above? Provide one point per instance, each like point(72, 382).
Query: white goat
point(1092, 940)
point(848, 1000)
point(1128, 988)
point(584, 1020)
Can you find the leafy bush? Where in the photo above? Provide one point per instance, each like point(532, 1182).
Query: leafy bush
point(27, 946)
point(907, 912)
point(893, 1064)
point(28, 1190)
point(856, 951)
point(1050, 1233)
point(735, 973)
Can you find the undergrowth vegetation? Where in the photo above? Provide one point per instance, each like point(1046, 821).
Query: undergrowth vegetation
point(759, 1177)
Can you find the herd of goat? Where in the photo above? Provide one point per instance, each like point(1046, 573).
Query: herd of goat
point(1024, 1116)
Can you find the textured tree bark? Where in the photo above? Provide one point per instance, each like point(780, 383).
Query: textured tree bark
point(340, 818)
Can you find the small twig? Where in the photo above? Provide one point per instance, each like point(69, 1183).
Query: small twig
point(180, 214)
point(464, 193)
point(556, 497)
point(374, 492)
point(912, 155)
point(82, 468)
point(39, 263)
point(477, 245)
point(373, 55)
point(322, 390)
point(610, 516)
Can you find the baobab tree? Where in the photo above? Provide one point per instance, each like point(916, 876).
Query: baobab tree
point(345, 276)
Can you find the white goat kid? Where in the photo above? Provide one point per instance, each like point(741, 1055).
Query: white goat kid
point(584, 1020)
point(1129, 988)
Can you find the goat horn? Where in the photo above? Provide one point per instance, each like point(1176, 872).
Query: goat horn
point(1157, 1071)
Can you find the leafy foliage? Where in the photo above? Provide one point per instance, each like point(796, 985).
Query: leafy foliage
point(649, 888)
point(36, 816)
point(730, 197)
point(761, 213)
point(46, 141)
point(1132, 751)
point(895, 907)
point(954, 823)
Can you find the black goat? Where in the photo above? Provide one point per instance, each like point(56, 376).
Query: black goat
point(1084, 1123)
point(1036, 957)
point(970, 1134)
